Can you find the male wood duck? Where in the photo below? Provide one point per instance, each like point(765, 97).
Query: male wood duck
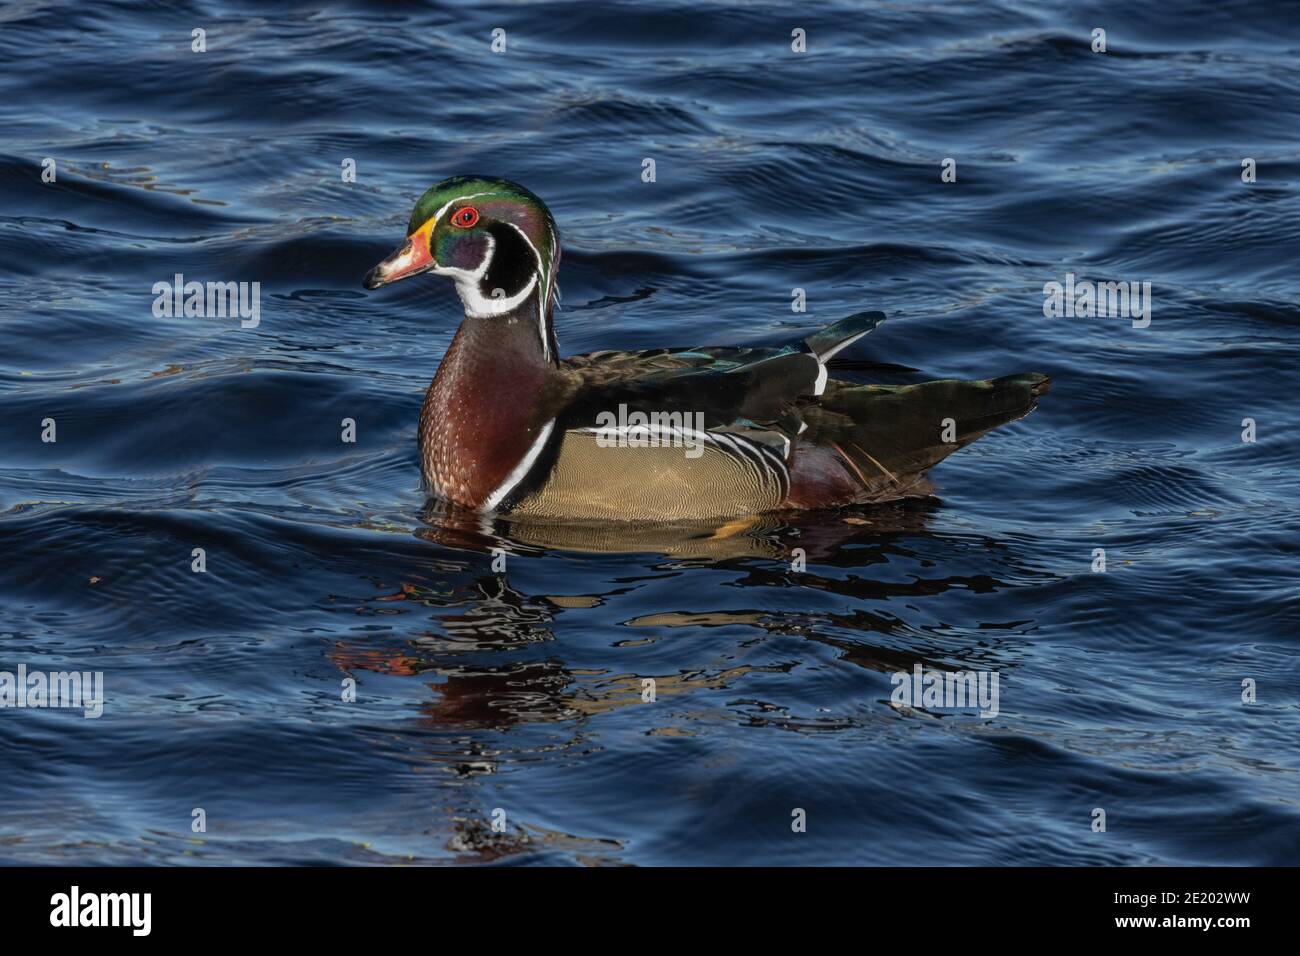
point(658, 435)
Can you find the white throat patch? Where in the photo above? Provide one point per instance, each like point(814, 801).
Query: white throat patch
point(469, 284)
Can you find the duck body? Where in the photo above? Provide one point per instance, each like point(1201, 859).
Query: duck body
point(654, 435)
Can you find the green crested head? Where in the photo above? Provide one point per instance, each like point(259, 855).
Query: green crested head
point(496, 239)
point(486, 190)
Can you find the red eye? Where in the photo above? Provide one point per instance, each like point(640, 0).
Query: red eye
point(465, 217)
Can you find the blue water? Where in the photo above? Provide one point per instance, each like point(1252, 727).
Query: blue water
point(520, 691)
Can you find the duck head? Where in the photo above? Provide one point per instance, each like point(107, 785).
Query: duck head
point(494, 238)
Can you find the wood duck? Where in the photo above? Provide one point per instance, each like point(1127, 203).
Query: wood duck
point(660, 435)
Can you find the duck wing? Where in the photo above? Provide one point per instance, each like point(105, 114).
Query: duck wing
point(753, 391)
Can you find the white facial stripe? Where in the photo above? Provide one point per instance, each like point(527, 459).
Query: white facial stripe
point(458, 274)
point(479, 306)
point(437, 216)
point(464, 277)
point(546, 288)
point(468, 283)
point(469, 286)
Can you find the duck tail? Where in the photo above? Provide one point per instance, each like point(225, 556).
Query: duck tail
point(888, 435)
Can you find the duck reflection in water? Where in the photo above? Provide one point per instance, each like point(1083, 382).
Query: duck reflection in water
point(476, 626)
point(507, 670)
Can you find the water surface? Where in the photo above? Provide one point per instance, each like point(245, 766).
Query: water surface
point(520, 690)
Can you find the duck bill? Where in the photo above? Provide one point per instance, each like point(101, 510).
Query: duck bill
point(412, 258)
